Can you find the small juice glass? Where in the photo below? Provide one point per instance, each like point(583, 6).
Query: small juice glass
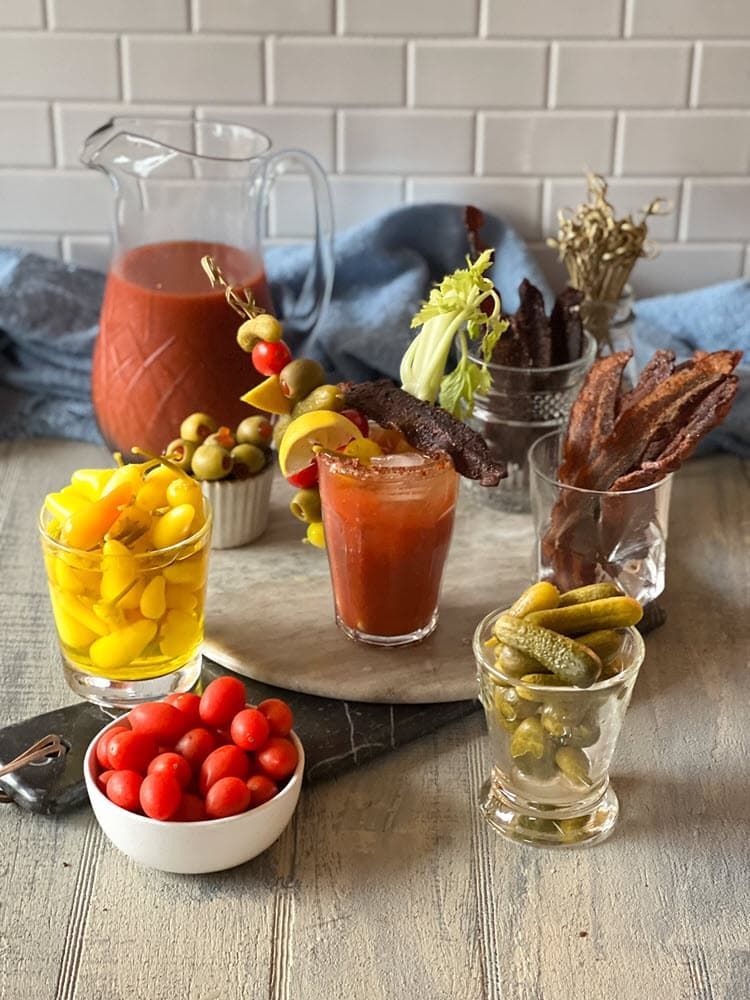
point(388, 528)
point(551, 748)
point(130, 626)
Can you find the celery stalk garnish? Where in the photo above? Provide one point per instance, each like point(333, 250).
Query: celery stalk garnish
point(454, 312)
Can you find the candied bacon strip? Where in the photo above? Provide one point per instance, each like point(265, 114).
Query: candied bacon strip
point(658, 368)
point(662, 410)
point(591, 419)
point(583, 530)
point(709, 413)
point(428, 428)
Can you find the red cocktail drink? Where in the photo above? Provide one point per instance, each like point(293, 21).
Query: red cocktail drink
point(388, 527)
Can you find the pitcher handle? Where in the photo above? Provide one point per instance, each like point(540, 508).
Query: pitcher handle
point(315, 293)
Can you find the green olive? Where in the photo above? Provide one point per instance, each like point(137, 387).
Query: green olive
point(514, 663)
point(325, 397)
point(224, 438)
point(197, 427)
point(300, 377)
point(255, 430)
point(280, 427)
point(248, 460)
point(305, 505)
point(180, 452)
point(211, 462)
point(528, 739)
point(574, 764)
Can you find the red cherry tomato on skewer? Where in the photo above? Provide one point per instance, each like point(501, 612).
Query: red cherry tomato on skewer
point(269, 357)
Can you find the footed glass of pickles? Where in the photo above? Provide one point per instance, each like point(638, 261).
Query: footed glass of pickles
point(126, 554)
point(555, 676)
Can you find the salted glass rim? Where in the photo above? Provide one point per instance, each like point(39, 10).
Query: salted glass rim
point(537, 471)
point(148, 554)
point(117, 121)
point(483, 658)
point(432, 465)
point(587, 356)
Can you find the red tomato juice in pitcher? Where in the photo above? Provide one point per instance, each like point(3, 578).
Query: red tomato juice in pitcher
point(166, 345)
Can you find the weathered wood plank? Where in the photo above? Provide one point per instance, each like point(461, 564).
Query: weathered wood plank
point(387, 885)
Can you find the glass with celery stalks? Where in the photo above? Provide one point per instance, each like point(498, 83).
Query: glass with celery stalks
point(388, 518)
point(388, 485)
point(126, 554)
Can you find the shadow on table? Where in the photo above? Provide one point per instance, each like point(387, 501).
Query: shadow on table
point(672, 810)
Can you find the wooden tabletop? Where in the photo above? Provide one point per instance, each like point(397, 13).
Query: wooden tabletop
point(387, 884)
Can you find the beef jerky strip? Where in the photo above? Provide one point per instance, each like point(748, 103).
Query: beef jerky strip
point(473, 222)
point(709, 413)
point(532, 325)
point(634, 429)
point(566, 327)
point(511, 349)
point(592, 417)
point(658, 368)
point(427, 428)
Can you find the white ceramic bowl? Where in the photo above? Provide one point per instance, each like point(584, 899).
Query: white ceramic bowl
point(240, 508)
point(193, 848)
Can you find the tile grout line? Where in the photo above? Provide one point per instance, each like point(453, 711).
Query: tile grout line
point(696, 69)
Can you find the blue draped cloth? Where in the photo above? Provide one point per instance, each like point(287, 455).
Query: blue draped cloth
point(384, 268)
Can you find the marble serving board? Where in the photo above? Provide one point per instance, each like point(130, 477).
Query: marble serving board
point(270, 611)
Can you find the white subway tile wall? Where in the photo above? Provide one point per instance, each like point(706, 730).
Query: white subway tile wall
point(500, 103)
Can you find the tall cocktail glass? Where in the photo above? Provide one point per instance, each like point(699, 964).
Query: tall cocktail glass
point(388, 528)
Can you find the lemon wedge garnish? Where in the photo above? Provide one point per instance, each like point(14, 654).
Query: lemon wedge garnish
point(319, 429)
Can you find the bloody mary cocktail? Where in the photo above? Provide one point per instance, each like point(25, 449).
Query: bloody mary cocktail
point(388, 527)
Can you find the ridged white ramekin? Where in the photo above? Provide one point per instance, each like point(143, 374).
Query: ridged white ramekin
point(240, 508)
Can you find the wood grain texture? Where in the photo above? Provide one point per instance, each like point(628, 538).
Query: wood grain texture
point(387, 885)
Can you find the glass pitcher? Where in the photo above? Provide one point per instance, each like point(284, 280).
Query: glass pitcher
point(166, 346)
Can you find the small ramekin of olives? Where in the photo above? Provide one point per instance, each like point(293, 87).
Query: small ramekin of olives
point(235, 470)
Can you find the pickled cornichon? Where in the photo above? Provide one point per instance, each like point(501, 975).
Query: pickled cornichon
point(577, 619)
point(538, 597)
point(591, 592)
point(571, 662)
point(325, 397)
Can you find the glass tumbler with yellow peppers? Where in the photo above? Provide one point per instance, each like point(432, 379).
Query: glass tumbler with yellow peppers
point(126, 553)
